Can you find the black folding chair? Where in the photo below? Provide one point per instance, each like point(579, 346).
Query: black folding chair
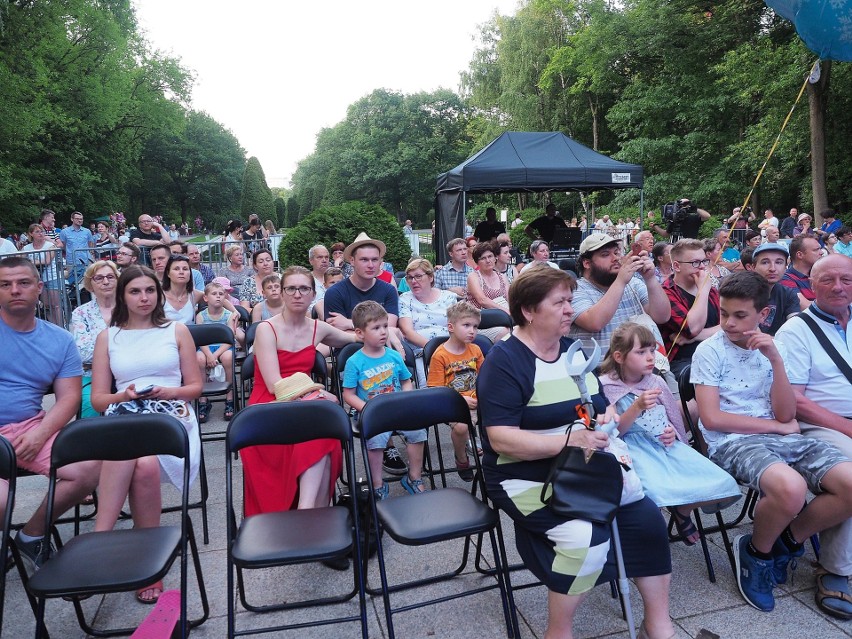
point(207, 335)
point(437, 515)
point(494, 317)
point(295, 536)
point(118, 560)
point(9, 472)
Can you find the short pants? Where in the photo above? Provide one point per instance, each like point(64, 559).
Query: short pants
point(380, 441)
point(41, 464)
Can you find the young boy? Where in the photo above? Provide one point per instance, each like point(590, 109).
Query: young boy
point(209, 356)
point(748, 409)
point(372, 371)
point(331, 277)
point(455, 363)
point(273, 300)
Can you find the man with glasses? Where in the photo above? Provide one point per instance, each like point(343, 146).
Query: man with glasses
point(770, 262)
point(147, 235)
point(45, 358)
point(694, 304)
point(78, 242)
point(608, 295)
point(126, 255)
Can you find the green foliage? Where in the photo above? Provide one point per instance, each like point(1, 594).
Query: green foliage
point(343, 223)
point(521, 240)
point(280, 212)
point(292, 213)
point(256, 196)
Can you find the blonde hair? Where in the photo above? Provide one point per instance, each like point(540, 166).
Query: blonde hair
point(93, 268)
point(422, 264)
point(212, 286)
point(233, 248)
point(460, 310)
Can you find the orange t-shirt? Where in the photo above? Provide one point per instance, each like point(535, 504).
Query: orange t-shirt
point(456, 371)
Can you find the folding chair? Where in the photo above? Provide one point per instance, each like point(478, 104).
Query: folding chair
point(8, 471)
point(494, 317)
point(295, 536)
point(437, 515)
point(206, 335)
point(118, 560)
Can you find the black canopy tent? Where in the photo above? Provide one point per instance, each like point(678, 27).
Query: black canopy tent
point(524, 162)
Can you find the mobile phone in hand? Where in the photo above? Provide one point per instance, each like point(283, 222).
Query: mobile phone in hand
point(145, 391)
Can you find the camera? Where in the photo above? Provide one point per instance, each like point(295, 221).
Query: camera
point(677, 211)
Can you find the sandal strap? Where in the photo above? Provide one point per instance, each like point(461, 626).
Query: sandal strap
point(823, 592)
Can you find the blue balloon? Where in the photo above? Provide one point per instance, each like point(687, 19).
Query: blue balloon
point(825, 26)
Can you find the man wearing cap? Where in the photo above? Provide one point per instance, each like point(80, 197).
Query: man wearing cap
point(607, 293)
point(788, 224)
point(824, 406)
point(544, 226)
point(804, 252)
point(770, 262)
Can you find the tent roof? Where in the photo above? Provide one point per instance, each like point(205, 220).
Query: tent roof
point(523, 161)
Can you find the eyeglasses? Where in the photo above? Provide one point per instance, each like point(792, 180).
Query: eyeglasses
point(125, 253)
point(695, 263)
point(145, 221)
point(104, 278)
point(415, 278)
point(302, 290)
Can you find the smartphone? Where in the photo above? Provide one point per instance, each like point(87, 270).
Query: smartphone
point(635, 249)
point(145, 391)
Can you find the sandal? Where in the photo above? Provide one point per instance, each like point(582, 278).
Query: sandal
point(832, 594)
point(229, 409)
point(685, 526)
point(204, 412)
point(156, 586)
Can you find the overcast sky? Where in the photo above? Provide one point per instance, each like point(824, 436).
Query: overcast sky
point(275, 72)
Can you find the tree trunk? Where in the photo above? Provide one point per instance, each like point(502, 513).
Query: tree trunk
point(594, 110)
point(817, 94)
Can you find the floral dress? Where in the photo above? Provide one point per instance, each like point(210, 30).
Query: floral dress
point(86, 324)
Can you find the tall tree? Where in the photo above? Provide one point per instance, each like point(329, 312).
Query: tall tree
point(256, 196)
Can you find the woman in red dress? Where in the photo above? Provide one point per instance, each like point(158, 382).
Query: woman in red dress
point(301, 475)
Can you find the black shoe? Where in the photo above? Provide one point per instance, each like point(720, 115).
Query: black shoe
point(34, 553)
point(392, 462)
point(338, 563)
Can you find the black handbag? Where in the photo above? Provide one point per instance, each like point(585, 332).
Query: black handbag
point(585, 484)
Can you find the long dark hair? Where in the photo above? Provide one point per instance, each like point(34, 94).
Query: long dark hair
point(167, 282)
point(120, 314)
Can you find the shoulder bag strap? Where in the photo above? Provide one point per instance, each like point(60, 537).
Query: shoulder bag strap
point(828, 346)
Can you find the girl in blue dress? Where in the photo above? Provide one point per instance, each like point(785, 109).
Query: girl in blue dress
point(673, 474)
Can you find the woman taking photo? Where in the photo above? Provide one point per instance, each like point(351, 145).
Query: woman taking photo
point(522, 435)
point(301, 475)
point(141, 350)
point(251, 292)
point(235, 269)
point(486, 288)
point(181, 298)
point(88, 320)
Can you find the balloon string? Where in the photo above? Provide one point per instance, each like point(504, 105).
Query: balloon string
point(737, 215)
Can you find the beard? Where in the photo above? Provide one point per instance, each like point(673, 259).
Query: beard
point(601, 276)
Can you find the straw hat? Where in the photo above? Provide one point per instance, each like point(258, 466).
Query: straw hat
point(362, 240)
point(294, 386)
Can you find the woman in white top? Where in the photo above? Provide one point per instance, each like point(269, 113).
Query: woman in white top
point(44, 256)
point(540, 254)
point(181, 298)
point(140, 349)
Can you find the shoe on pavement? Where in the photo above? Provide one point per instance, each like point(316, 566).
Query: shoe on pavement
point(465, 469)
point(782, 557)
point(392, 462)
point(755, 577)
point(34, 553)
point(413, 486)
point(383, 492)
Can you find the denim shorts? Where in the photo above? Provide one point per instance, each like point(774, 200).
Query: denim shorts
point(747, 457)
point(411, 437)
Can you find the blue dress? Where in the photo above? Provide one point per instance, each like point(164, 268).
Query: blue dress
point(674, 475)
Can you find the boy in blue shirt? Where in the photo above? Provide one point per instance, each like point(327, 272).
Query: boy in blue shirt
point(375, 370)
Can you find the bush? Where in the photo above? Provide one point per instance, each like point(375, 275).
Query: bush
point(521, 240)
point(342, 223)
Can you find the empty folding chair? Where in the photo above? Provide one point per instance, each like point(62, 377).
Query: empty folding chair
point(494, 317)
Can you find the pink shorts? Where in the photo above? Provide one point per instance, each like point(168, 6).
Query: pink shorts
point(41, 464)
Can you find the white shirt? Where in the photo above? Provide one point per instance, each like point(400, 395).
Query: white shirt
point(7, 247)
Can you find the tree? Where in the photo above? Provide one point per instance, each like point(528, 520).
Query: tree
point(256, 196)
point(280, 212)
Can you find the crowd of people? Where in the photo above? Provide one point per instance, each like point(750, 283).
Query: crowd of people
point(752, 322)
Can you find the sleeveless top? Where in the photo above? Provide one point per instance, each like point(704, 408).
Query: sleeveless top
point(146, 356)
point(289, 362)
point(490, 293)
point(185, 315)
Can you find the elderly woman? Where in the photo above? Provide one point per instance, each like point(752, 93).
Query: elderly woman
point(337, 254)
point(236, 270)
point(521, 436)
point(487, 287)
point(803, 225)
point(540, 254)
point(662, 256)
point(88, 320)
point(251, 292)
point(713, 249)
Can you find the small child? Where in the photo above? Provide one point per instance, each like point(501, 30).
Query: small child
point(673, 474)
point(331, 277)
point(455, 363)
point(273, 300)
point(372, 371)
point(209, 356)
point(748, 411)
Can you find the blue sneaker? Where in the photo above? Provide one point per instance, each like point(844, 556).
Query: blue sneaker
point(782, 557)
point(755, 577)
point(413, 486)
point(383, 492)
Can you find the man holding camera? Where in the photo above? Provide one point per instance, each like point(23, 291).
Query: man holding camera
point(683, 219)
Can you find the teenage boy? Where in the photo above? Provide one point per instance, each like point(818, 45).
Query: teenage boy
point(748, 409)
point(273, 300)
point(210, 356)
point(455, 363)
point(770, 262)
point(375, 370)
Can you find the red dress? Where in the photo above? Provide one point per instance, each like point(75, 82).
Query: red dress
point(271, 473)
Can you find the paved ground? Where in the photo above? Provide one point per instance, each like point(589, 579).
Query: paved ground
point(696, 605)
